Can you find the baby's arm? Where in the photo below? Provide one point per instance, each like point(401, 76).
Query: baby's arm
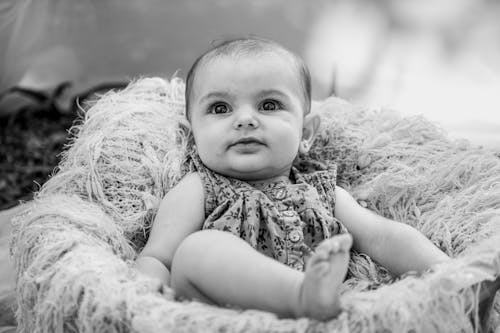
point(181, 213)
point(397, 246)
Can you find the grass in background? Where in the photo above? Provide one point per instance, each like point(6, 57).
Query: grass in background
point(30, 141)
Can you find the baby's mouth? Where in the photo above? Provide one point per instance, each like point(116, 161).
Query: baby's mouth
point(248, 140)
point(246, 143)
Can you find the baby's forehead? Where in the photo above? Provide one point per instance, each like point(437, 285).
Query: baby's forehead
point(248, 76)
point(283, 59)
point(270, 55)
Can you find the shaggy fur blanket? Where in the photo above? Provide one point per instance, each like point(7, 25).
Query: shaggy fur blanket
point(75, 243)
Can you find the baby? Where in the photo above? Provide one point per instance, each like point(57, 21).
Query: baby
point(247, 228)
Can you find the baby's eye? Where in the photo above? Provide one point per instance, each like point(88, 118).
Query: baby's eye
point(218, 108)
point(271, 105)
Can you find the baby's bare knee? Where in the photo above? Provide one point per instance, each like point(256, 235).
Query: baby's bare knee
point(197, 248)
point(193, 257)
point(191, 247)
point(202, 240)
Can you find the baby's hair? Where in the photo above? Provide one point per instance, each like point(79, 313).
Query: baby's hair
point(249, 46)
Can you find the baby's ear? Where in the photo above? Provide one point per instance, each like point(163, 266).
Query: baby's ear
point(311, 128)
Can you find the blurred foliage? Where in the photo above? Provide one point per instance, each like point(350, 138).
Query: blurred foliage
point(31, 142)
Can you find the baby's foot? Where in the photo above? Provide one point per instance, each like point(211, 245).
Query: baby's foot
point(325, 271)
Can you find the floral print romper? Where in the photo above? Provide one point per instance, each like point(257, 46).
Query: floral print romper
point(285, 221)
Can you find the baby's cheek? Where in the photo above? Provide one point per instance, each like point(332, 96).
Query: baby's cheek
point(289, 140)
point(210, 151)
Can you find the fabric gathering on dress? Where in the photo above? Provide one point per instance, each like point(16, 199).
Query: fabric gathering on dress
point(285, 220)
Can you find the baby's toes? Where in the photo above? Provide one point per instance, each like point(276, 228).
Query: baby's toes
point(344, 242)
point(335, 246)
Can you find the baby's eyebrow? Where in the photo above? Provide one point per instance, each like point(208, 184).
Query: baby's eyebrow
point(275, 92)
point(216, 94)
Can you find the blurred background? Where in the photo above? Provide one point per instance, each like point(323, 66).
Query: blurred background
point(437, 58)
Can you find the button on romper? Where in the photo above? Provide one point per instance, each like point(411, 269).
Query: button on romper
point(283, 220)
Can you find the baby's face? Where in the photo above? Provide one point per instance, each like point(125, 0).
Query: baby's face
point(246, 115)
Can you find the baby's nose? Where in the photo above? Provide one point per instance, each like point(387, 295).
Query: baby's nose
point(246, 118)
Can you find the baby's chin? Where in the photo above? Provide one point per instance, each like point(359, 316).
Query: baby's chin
point(248, 168)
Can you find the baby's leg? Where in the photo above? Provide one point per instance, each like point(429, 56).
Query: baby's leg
point(217, 267)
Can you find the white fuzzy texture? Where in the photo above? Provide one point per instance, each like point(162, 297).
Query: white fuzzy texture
point(75, 244)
